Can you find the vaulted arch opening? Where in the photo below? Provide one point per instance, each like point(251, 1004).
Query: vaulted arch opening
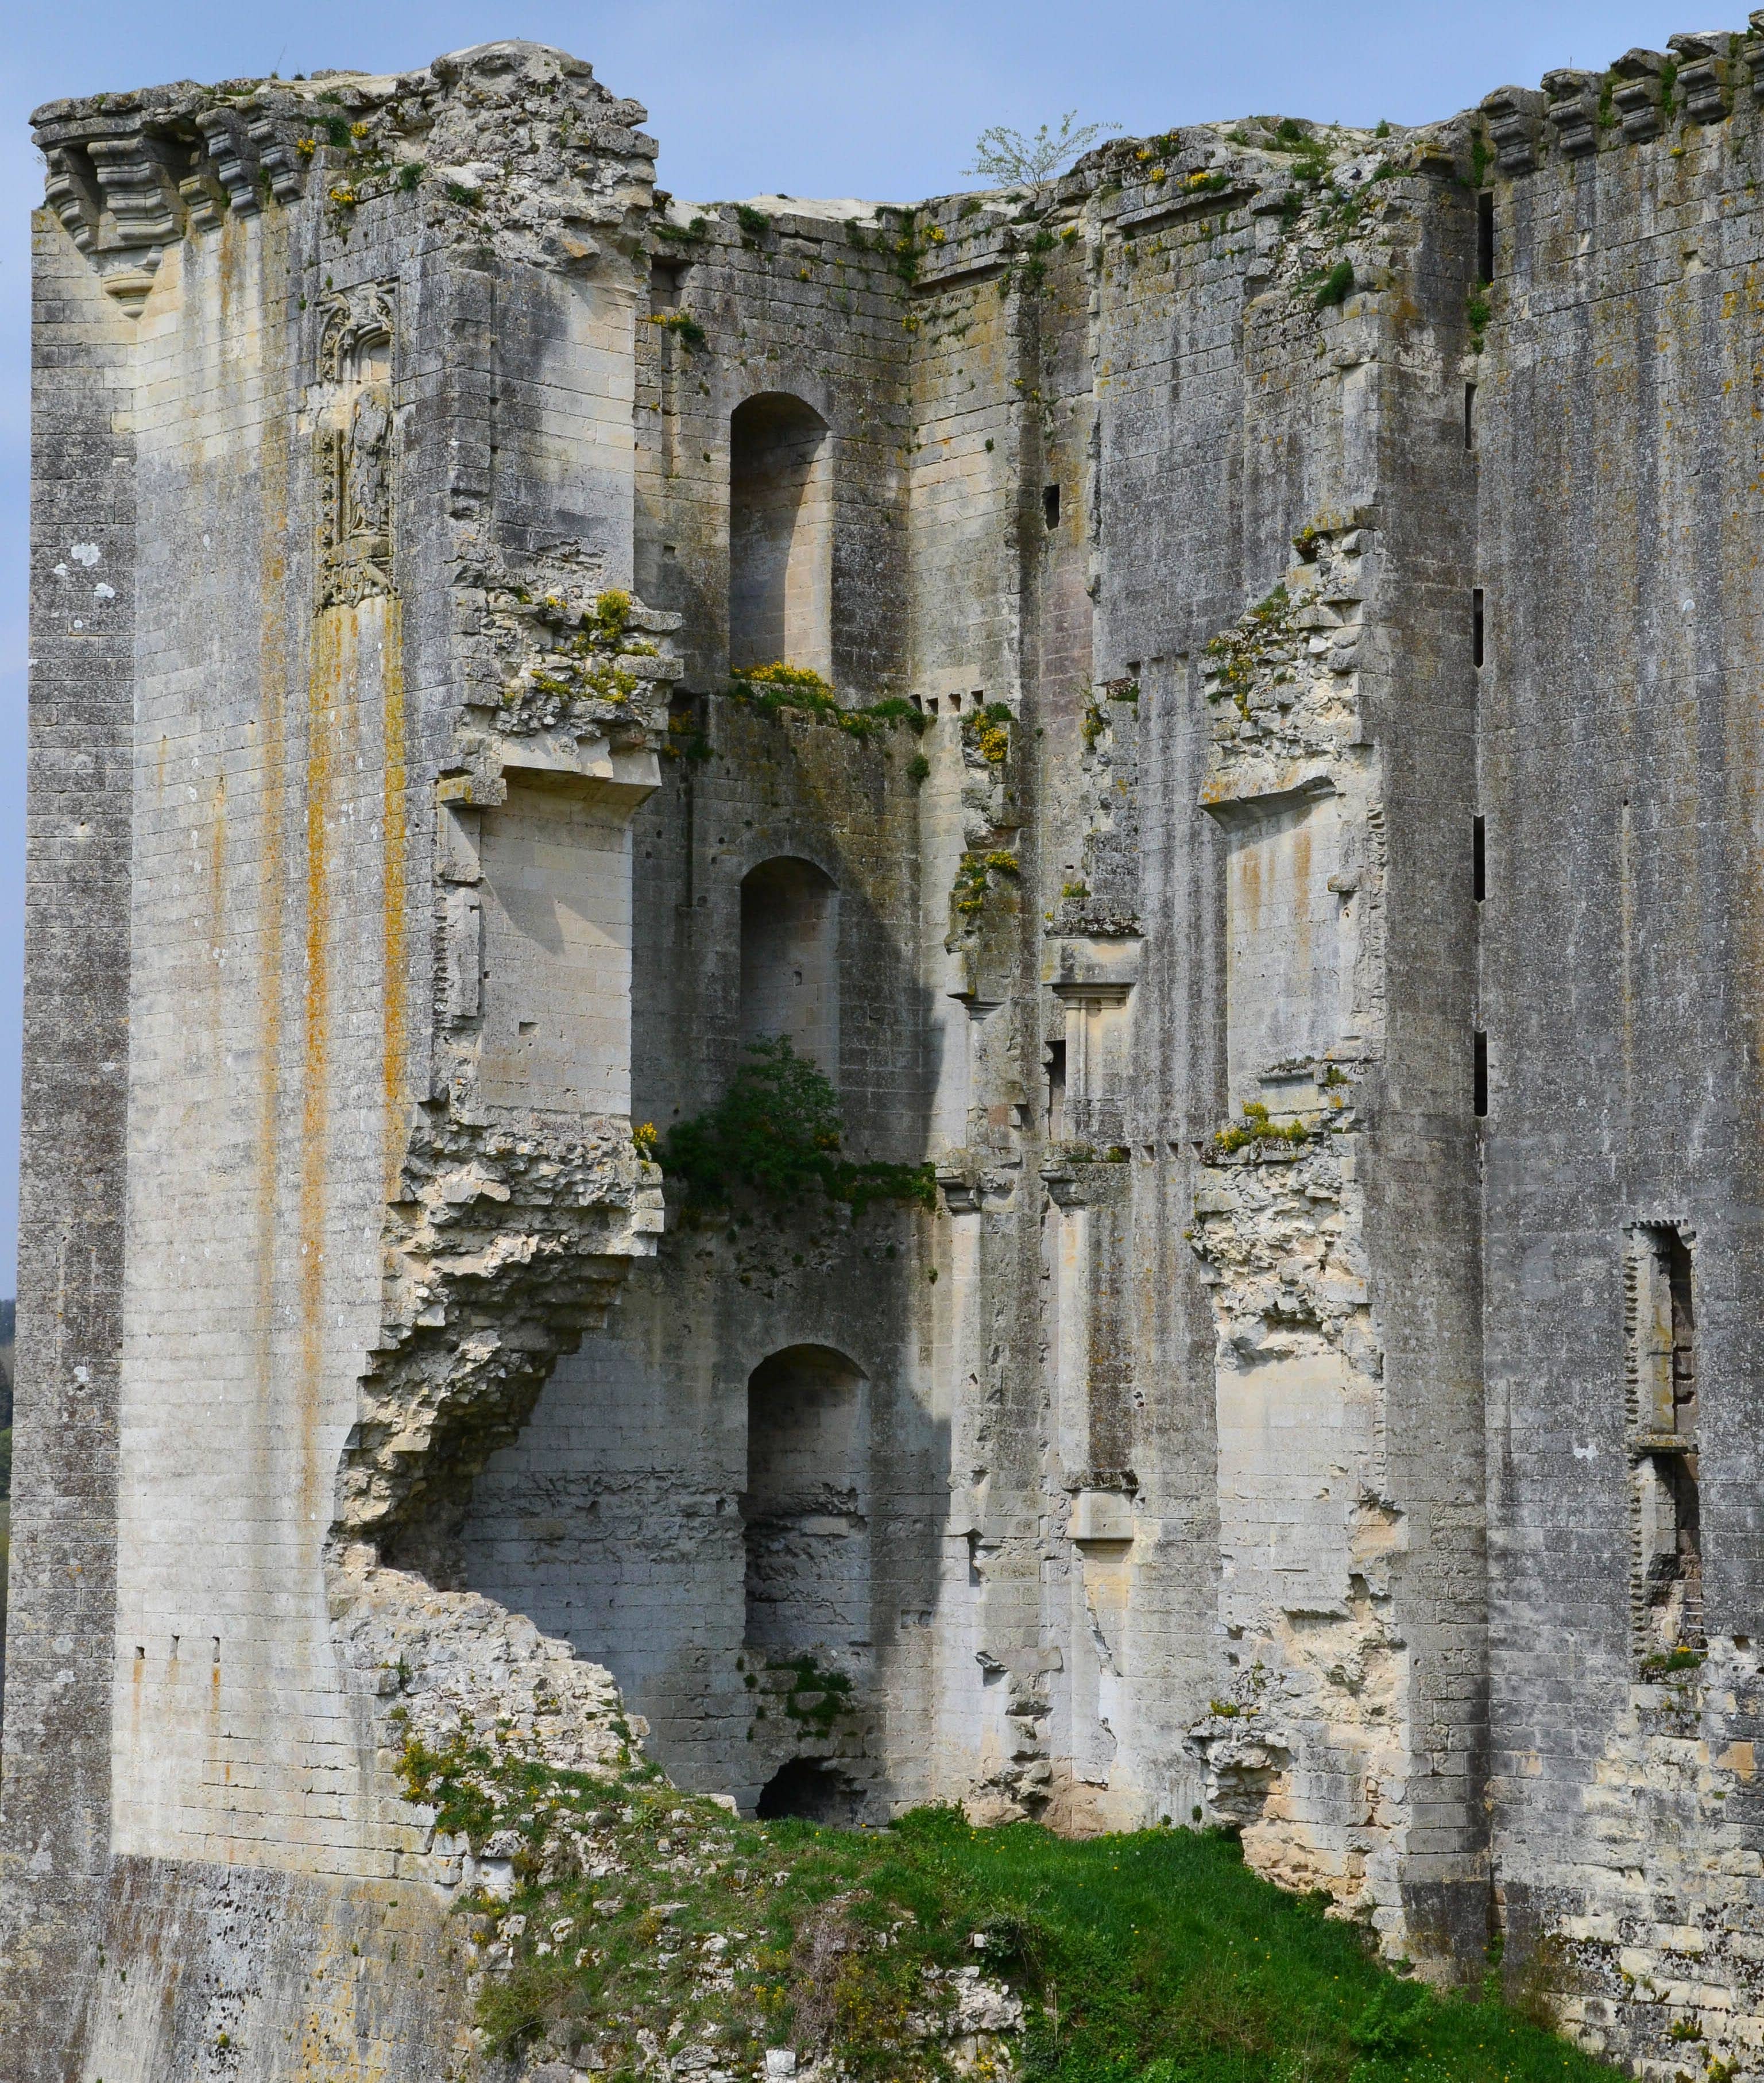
point(780, 534)
point(805, 1514)
point(812, 1790)
point(789, 975)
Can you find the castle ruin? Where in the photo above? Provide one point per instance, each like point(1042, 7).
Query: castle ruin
point(1284, 851)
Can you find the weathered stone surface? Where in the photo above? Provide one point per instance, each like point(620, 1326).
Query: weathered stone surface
point(1282, 851)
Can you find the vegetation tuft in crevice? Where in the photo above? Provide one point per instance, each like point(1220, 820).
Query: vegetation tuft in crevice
point(776, 1134)
point(773, 689)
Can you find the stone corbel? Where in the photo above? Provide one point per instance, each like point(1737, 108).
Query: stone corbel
point(1102, 1519)
point(274, 145)
point(1573, 109)
point(223, 138)
point(115, 191)
point(960, 1189)
point(1515, 117)
point(1638, 93)
point(1065, 1189)
point(592, 767)
point(1264, 790)
point(1085, 968)
point(1704, 64)
point(1751, 49)
point(70, 198)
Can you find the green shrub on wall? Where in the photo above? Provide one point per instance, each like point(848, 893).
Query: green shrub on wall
point(776, 1133)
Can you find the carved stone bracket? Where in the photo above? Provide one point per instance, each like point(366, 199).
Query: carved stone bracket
point(128, 175)
point(1703, 68)
point(1515, 120)
point(223, 137)
point(115, 191)
point(1573, 109)
point(1640, 94)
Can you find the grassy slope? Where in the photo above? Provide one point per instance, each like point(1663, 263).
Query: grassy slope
point(1166, 1954)
point(641, 1914)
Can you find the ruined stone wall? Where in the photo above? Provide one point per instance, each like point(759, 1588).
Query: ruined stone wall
point(615, 1519)
point(1295, 898)
point(366, 520)
point(1060, 1372)
point(1616, 432)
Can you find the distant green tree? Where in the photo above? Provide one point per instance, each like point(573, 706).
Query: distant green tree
point(1002, 154)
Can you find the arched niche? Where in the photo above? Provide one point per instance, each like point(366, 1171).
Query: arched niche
point(780, 534)
point(805, 1514)
point(789, 930)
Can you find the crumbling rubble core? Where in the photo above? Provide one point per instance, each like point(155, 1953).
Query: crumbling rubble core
point(1305, 1752)
point(1322, 1397)
point(509, 1233)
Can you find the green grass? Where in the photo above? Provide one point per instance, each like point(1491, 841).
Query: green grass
point(1152, 1958)
point(1166, 1958)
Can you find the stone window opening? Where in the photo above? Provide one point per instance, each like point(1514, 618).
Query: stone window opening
point(1667, 1584)
point(1470, 415)
point(1056, 1109)
point(780, 534)
point(1050, 506)
point(1478, 1104)
point(1479, 859)
point(790, 931)
point(1476, 627)
point(1485, 236)
point(805, 1513)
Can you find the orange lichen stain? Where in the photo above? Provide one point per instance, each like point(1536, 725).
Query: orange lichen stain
point(393, 841)
point(228, 275)
point(1738, 1758)
point(272, 755)
point(334, 640)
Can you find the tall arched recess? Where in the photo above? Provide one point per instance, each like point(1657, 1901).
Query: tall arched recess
point(790, 931)
point(780, 534)
point(805, 1514)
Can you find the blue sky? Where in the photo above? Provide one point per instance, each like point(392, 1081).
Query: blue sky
point(834, 100)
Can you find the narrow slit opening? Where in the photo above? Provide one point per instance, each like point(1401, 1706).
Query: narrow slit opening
point(1479, 859)
point(1050, 505)
point(1056, 1112)
point(1485, 236)
point(1667, 1589)
point(1476, 627)
point(1479, 1098)
point(1470, 415)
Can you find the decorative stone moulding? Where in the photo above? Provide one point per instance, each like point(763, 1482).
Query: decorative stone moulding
point(1573, 109)
point(224, 139)
point(1640, 94)
point(1751, 49)
point(1704, 67)
point(128, 175)
point(1515, 117)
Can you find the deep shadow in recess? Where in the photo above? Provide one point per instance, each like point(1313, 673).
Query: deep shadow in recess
point(811, 1791)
